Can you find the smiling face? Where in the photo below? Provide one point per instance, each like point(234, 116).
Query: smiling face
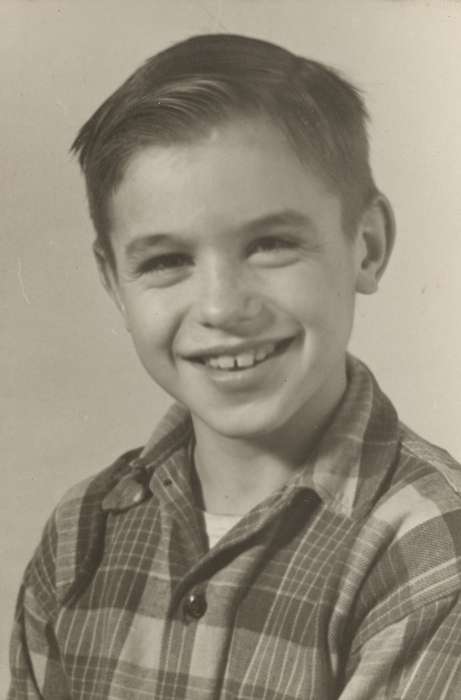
point(235, 279)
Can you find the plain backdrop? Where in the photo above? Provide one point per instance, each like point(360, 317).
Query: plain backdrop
point(73, 395)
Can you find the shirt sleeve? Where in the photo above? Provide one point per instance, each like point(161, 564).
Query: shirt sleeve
point(417, 657)
point(36, 670)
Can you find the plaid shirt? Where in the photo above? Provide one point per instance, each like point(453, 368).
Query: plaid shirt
point(343, 584)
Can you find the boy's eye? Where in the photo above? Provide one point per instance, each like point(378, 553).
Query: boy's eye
point(167, 262)
point(272, 249)
point(271, 243)
point(164, 269)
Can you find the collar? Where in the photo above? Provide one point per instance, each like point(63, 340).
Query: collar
point(346, 468)
point(350, 463)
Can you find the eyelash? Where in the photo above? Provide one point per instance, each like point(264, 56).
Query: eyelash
point(271, 243)
point(163, 263)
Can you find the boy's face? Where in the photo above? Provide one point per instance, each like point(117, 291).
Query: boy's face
point(235, 279)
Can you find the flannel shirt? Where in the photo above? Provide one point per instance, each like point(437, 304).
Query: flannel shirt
point(343, 584)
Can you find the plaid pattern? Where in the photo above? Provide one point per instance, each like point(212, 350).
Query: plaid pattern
point(344, 584)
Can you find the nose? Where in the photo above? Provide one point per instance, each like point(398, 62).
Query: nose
point(228, 298)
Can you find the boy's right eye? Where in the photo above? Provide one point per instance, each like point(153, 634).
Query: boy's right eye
point(163, 263)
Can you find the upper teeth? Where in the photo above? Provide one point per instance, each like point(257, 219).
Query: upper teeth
point(244, 359)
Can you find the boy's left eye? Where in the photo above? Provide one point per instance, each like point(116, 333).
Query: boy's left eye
point(272, 248)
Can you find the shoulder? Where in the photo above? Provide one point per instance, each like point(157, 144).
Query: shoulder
point(417, 523)
point(83, 500)
point(433, 460)
point(425, 487)
point(413, 531)
point(89, 493)
point(71, 541)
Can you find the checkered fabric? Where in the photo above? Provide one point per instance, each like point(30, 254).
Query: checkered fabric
point(344, 584)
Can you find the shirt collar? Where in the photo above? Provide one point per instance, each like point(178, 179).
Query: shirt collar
point(348, 464)
point(351, 460)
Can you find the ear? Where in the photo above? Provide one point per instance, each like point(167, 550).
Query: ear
point(108, 277)
point(375, 241)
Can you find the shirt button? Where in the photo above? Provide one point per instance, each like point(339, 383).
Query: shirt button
point(195, 605)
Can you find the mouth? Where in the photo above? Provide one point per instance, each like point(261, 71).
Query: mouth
point(226, 361)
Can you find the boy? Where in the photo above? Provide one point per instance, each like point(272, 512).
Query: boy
point(281, 535)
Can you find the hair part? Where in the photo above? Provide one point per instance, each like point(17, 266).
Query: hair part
point(181, 93)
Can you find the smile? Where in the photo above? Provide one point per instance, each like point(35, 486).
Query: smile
point(238, 361)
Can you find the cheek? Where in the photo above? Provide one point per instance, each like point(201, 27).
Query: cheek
point(322, 301)
point(151, 323)
point(310, 295)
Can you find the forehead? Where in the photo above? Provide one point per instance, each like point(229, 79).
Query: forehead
point(241, 171)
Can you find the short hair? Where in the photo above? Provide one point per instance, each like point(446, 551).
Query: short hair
point(179, 94)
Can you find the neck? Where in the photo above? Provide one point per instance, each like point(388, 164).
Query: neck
point(235, 474)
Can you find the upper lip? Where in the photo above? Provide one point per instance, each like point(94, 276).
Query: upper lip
point(233, 349)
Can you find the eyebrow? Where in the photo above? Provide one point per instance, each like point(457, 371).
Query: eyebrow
point(142, 244)
point(286, 218)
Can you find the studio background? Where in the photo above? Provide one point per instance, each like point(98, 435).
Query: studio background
point(73, 396)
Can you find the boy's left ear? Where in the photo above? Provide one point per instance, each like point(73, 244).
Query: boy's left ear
point(374, 243)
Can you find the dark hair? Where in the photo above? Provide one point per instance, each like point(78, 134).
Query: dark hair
point(180, 93)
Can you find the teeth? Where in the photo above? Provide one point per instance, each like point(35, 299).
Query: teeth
point(224, 362)
point(263, 352)
point(245, 359)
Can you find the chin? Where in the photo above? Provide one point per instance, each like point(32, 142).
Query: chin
point(244, 423)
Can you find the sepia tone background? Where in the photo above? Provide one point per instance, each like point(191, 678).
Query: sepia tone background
point(72, 393)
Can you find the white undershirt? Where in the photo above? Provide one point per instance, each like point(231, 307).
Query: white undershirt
point(216, 526)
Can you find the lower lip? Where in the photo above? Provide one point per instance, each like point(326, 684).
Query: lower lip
point(245, 378)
